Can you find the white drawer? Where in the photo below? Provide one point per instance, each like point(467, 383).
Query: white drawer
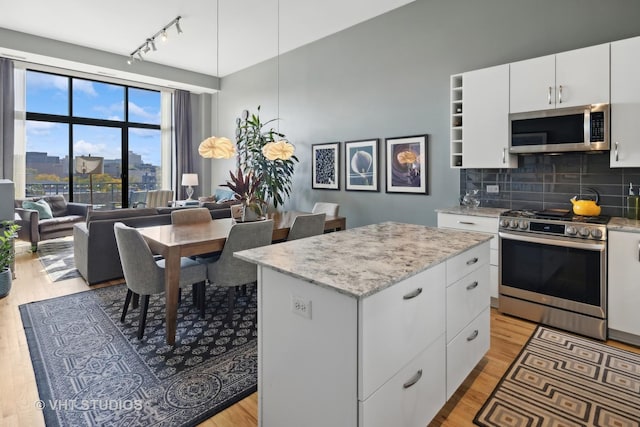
point(465, 263)
point(398, 404)
point(468, 222)
point(466, 299)
point(395, 326)
point(466, 350)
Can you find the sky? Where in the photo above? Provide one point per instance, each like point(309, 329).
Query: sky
point(47, 93)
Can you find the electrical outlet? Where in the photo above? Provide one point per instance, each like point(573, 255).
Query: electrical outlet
point(301, 306)
point(493, 189)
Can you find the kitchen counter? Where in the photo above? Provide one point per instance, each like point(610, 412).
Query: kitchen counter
point(479, 211)
point(624, 224)
point(363, 261)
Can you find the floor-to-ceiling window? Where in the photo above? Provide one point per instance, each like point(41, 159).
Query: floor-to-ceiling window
point(68, 117)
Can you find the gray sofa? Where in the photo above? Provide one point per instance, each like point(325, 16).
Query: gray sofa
point(33, 229)
point(95, 251)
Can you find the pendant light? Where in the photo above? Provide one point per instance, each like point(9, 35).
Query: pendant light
point(217, 147)
point(280, 149)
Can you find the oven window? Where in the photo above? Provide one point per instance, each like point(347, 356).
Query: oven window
point(568, 273)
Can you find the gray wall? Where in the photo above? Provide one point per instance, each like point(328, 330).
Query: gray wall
point(389, 77)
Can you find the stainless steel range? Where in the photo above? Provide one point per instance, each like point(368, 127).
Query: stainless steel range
point(553, 269)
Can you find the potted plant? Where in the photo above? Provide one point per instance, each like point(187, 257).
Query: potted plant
point(246, 186)
point(7, 252)
point(268, 154)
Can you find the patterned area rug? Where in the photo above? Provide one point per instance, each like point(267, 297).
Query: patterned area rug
point(56, 257)
point(92, 370)
point(560, 379)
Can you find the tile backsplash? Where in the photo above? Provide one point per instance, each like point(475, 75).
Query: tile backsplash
point(549, 181)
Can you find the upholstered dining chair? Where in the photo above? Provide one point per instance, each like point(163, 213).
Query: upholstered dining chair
point(190, 216)
point(306, 226)
point(236, 211)
point(328, 208)
point(144, 275)
point(231, 272)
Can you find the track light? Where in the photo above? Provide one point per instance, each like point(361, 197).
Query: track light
point(150, 43)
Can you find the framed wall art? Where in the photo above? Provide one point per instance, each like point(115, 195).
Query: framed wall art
point(361, 165)
point(406, 160)
point(325, 173)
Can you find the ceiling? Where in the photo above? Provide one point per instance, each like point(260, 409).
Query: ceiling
point(248, 28)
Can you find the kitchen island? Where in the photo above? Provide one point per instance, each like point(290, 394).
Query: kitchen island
point(373, 326)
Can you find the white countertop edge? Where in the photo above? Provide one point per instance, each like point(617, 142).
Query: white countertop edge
point(479, 211)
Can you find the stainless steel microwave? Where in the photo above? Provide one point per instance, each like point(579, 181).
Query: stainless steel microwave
point(584, 128)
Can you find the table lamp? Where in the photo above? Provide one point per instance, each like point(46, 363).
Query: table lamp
point(190, 180)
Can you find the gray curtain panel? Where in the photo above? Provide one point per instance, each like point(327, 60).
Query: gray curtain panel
point(7, 107)
point(184, 144)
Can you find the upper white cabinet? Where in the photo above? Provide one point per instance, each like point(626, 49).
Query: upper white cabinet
point(486, 111)
point(480, 119)
point(625, 103)
point(568, 79)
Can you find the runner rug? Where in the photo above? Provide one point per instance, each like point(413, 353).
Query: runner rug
point(56, 257)
point(92, 370)
point(560, 379)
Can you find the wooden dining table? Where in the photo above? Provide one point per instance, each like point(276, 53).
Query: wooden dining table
point(175, 241)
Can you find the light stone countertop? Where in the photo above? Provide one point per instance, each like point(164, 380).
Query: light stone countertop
point(479, 211)
point(362, 261)
point(624, 224)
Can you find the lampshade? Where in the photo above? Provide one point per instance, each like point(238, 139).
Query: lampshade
point(281, 149)
point(189, 179)
point(89, 165)
point(216, 147)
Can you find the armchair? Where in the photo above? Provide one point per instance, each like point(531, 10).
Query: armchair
point(155, 199)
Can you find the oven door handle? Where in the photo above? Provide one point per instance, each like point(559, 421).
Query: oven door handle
point(600, 247)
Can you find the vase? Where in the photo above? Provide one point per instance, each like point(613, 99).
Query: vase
point(5, 282)
point(248, 214)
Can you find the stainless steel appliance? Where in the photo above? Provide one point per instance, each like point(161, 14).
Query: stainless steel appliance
point(583, 128)
point(553, 269)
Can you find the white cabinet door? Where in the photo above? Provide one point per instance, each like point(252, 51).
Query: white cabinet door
point(485, 142)
point(568, 79)
point(624, 285)
point(533, 84)
point(625, 103)
point(582, 76)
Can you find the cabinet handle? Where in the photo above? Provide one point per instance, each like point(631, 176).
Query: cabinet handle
point(560, 94)
point(472, 261)
point(549, 96)
point(413, 379)
point(413, 294)
point(504, 155)
point(466, 223)
point(638, 252)
point(616, 151)
point(473, 336)
point(474, 285)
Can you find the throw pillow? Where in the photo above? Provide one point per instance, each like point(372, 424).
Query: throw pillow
point(44, 211)
point(222, 195)
point(57, 203)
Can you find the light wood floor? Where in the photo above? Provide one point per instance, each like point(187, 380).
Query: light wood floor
point(18, 391)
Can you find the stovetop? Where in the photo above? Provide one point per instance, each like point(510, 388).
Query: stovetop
point(555, 222)
point(557, 215)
